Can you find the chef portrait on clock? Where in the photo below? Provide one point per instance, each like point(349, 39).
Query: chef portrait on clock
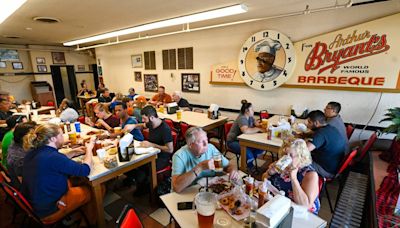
point(265, 59)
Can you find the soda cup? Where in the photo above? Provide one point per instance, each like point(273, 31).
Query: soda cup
point(78, 127)
point(179, 114)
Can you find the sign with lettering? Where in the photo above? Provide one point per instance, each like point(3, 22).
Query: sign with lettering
point(363, 57)
point(226, 73)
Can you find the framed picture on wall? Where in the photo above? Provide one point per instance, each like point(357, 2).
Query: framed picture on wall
point(137, 61)
point(40, 60)
point(150, 82)
point(41, 68)
point(191, 82)
point(58, 57)
point(81, 67)
point(100, 70)
point(17, 65)
point(138, 76)
point(3, 64)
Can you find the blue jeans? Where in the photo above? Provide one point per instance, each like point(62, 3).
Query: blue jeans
point(251, 153)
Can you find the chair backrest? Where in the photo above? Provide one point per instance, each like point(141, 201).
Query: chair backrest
point(81, 119)
point(20, 200)
point(227, 128)
point(184, 127)
point(128, 218)
point(145, 133)
point(174, 139)
point(50, 103)
point(347, 161)
point(170, 123)
point(368, 145)
point(264, 114)
point(349, 130)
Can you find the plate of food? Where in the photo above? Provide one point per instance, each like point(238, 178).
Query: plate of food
point(235, 205)
point(218, 185)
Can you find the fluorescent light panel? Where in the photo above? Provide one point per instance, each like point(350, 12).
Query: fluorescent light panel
point(8, 7)
point(227, 11)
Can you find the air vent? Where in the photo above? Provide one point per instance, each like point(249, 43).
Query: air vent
point(49, 20)
point(11, 37)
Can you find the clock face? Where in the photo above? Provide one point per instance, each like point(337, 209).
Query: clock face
point(266, 60)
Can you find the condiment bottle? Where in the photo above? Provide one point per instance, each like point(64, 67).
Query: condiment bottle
point(68, 126)
point(249, 182)
point(262, 193)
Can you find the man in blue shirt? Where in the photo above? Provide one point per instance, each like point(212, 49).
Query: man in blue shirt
point(122, 113)
point(327, 146)
point(333, 118)
point(195, 160)
point(132, 94)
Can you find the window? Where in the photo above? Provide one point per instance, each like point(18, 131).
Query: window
point(149, 60)
point(185, 58)
point(169, 59)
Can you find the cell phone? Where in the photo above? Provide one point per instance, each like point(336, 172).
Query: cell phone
point(185, 206)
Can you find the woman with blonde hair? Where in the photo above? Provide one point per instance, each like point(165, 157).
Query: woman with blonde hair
point(299, 180)
point(46, 171)
point(106, 120)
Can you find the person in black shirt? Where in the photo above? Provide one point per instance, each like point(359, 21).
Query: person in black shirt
point(327, 146)
point(183, 104)
point(5, 112)
point(105, 96)
point(84, 89)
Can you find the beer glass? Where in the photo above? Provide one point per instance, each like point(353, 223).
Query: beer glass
point(264, 123)
point(218, 162)
point(72, 137)
point(179, 114)
point(117, 130)
point(206, 203)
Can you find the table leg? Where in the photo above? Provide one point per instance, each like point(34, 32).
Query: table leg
point(99, 205)
point(243, 164)
point(153, 183)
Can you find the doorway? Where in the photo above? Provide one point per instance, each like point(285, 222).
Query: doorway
point(64, 82)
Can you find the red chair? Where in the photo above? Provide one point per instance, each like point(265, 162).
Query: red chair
point(183, 127)
point(264, 114)
point(227, 128)
point(348, 160)
point(145, 133)
point(170, 124)
point(51, 103)
point(367, 146)
point(81, 119)
point(128, 218)
point(349, 130)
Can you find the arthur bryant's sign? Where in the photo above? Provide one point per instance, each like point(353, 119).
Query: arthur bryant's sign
point(364, 57)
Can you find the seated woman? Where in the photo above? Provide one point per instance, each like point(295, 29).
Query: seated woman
point(244, 124)
point(67, 112)
point(299, 181)
point(106, 120)
point(16, 153)
point(46, 173)
point(84, 89)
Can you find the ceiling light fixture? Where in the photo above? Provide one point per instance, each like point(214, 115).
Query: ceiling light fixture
point(211, 14)
point(8, 7)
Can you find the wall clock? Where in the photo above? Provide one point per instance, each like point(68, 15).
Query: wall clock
point(266, 60)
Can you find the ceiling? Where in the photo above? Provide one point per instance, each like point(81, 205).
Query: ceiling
point(80, 19)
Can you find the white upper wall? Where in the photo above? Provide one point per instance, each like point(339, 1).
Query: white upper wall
point(222, 45)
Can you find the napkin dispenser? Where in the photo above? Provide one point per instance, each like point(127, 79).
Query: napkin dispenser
point(273, 212)
point(124, 142)
point(172, 108)
point(213, 112)
point(35, 105)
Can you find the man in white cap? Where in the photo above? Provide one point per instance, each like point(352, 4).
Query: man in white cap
point(265, 59)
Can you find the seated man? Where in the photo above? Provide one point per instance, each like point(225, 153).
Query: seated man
point(331, 111)
point(195, 160)
point(122, 113)
point(46, 171)
point(105, 96)
point(327, 145)
point(161, 98)
point(132, 94)
point(5, 112)
point(183, 104)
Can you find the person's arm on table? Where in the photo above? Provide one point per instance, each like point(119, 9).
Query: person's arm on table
point(130, 127)
point(88, 159)
point(180, 182)
point(76, 152)
point(102, 123)
point(249, 130)
point(169, 147)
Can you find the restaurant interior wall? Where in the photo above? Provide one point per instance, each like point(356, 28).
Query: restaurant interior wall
point(19, 85)
point(223, 44)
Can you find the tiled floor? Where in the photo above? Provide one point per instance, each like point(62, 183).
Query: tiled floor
point(142, 204)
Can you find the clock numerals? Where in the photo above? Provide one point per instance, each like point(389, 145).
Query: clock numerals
point(265, 34)
point(289, 59)
point(275, 83)
point(241, 61)
point(244, 49)
point(285, 73)
point(253, 39)
point(251, 82)
point(262, 86)
point(287, 46)
point(278, 36)
point(243, 73)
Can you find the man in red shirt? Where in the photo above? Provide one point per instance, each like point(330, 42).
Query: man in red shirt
point(161, 98)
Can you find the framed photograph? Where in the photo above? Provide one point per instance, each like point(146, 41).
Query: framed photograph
point(138, 76)
point(150, 83)
point(137, 61)
point(100, 70)
point(17, 65)
point(40, 60)
point(41, 68)
point(3, 64)
point(81, 67)
point(58, 57)
point(191, 83)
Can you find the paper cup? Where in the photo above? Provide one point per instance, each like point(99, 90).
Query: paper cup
point(101, 153)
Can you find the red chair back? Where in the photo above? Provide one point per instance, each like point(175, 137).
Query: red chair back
point(128, 218)
point(174, 139)
point(81, 119)
point(227, 128)
point(264, 114)
point(368, 145)
point(170, 123)
point(347, 161)
point(349, 130)
point(50, 103)
point(20, 200)
point(145, 133)
point(184, 127)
